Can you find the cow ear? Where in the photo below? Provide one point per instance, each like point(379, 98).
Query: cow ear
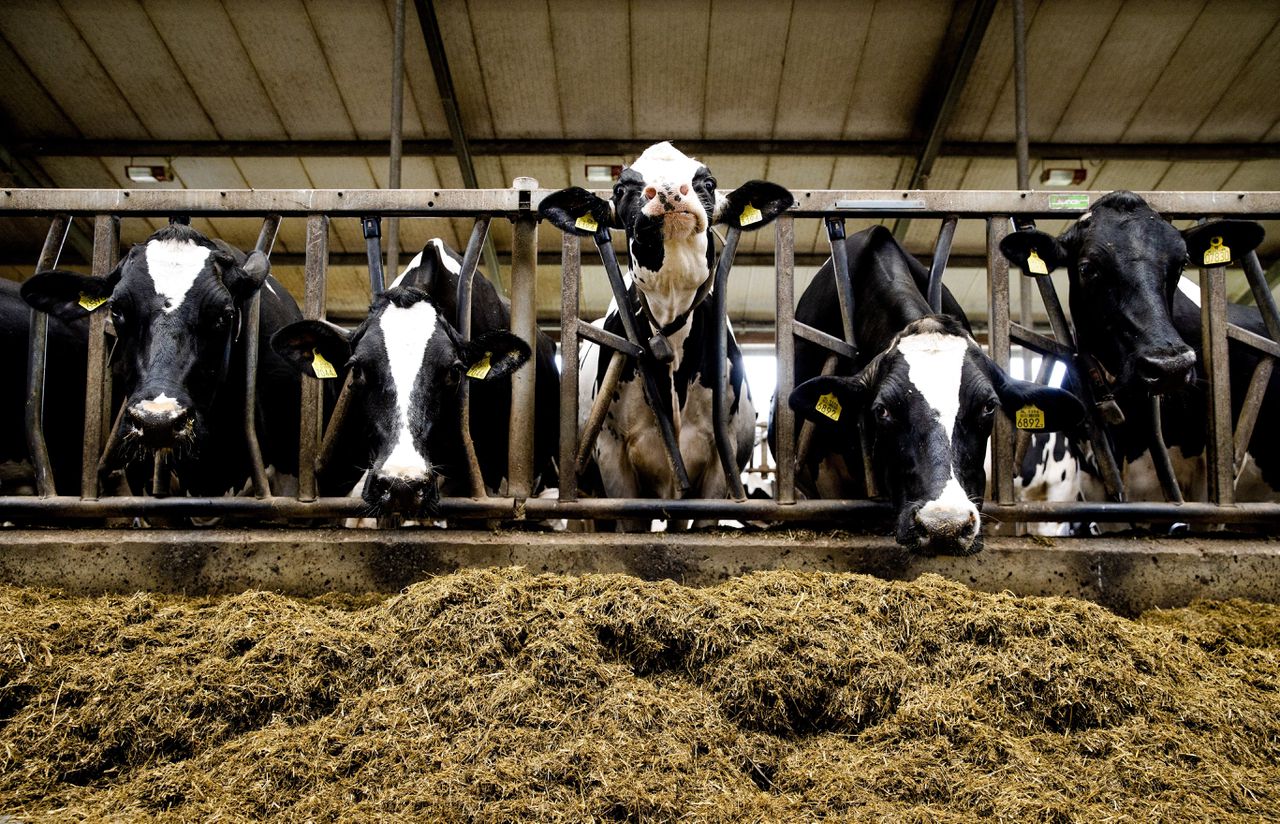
point(753, 205)
point(1019, 246)
point(313, 347)
point(68, 295)
point(242, 281)
point(1038, 408)
point(577, 211)
point(1218, 242)
point(828, 399)
point(493, 355)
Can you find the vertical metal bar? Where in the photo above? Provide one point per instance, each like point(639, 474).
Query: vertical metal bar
point(37, 360)
point(462, 321)
point(844, 287)
point(570, 289)
point(372, 228)
point(941, 252)
point(1213, 320)
point(998, 337)
point(106, 248)
point(784, 491)
point(524, 323)
point(397, 131)
point(720, 387)
point(1160, 455)
point(317, 262)
point(1020, 94)
point(1262, 294)
point(1249, 410)
point(252, 322)
point(599, 409)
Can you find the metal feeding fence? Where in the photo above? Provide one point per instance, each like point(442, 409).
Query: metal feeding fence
point(999, 210)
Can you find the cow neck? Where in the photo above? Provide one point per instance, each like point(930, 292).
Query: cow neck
point(681, 319)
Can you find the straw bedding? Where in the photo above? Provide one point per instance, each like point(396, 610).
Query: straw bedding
point(499, 695)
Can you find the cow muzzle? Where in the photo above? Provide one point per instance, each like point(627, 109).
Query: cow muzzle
point(161, 422)
point(676, 206)
point(386, 492)
point(1159, 372)
point(942, 528)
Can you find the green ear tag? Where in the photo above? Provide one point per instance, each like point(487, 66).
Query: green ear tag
point(829, 406)
point(750, 214)
point(322, 367)
point(1029, 417)
point(1035, 265)
point(89, 303)
point(1217, 254)
point(481, 368)
point(587, 223)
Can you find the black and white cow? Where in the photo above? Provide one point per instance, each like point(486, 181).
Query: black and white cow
point(1140, 319)
point(407, 362)
point(667, 203)
point(922, 392)
point(176, 302)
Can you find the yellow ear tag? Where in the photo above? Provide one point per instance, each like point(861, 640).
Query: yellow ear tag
point(481, 368)
point(89, 303)
point(1217, 254)
point(829, 406)
point(1035, 265)
point(587, 223)
point(322, 367)
point(750, 214)
point(1029, 417)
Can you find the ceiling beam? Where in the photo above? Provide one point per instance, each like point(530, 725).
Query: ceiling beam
point(951, 73)
point(1170, 152)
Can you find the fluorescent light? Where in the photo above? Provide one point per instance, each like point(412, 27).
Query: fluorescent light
point(148, 174)
point(602, 173)
point(1063, 173)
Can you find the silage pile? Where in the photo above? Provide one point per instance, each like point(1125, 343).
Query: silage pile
point(501, 696)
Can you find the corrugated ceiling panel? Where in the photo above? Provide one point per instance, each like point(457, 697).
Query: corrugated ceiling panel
point(893, 68)
point(284, 173)
point(803, 173)
point(464, 66)
point(48, 42)
point(1141, 41)
point(594, 83)
point(27, 109)
point(1252, 101)
point(1136, 175)
point(744, 67)
point(824, 42)
point(1197, 176)
point(287, 57)
point(989, 79)
point(133, 53)
point(218, 68)
point(420, 93)
point(669, 41)
point(1195, 79)
point(209, 173)
point(514, 44)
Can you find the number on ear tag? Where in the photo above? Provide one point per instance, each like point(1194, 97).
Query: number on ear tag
point(750, 214)
point(323, 369)
point(1217, 254)
point(89, 302)
point(587, 223)
point(1029, 417)
point(1035, 265)
point(829, 406)
point(481, 368)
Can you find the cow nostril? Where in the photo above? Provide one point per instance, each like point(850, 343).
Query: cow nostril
point(684, 188)
point(650, 192)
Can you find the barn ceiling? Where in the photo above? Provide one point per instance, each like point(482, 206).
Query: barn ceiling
point(1175, 95)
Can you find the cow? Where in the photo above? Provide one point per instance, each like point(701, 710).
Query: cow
point(666, 203)
point(176, 303)
point(406, 362)
point(1139, 318)
point(922, 394)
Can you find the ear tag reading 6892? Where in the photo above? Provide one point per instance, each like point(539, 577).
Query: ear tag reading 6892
point(480, 368)
point(829, 406)
point(750, 214)
point(1029, 417)
point(1035, 265)
point(1217, 254)
point(89, 302)
point(587, 223)
point(321, 366)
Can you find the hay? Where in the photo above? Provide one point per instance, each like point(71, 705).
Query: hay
point(499, 696)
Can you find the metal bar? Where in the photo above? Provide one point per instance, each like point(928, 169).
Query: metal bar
point(599, 410)
point(941, 252)
point(807, 427)
point(784, 319)
point(998, 344)
point(1160, 455)
point(1022, 142)
point(313, 308)
point(720, 377)
point(253, 312)
point(37, 360)
point(106, 248)
point(396, 149)
point(570, 326)
point(1251, 339)
point(333, 431)
point(1218, 446)
point(1262, 296)
point(807, 332)
point(462, 321)
point(1249, 410)
point(599, 336)
point(31, 175)
point(844, 286)
point(371, 225)
point(524, 323)
point(1040, 343)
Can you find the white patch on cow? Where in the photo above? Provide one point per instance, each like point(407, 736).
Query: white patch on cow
point(160, 405)
point(271, 288)
point(1191, 289)
point(951, 512)
point(934, 364)
point(446, 258)
point(1084, 218)
point(405, 333)
point(662, 161)
point(413, 264)
point(174, 266)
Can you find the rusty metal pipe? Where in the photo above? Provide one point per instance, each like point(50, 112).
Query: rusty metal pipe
point(462, 320)
point(720, 377)
point(37, 360)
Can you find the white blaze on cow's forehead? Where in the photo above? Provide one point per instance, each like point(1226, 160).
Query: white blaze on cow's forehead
point(446, 258)
point(174, 265)
point(1191, 289)
point(934, 364)
point(662, 161)
point(405, 333)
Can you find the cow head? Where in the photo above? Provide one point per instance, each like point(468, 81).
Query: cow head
point(1123, 261)
point(927, 404)
point(175, 305)
point(406, 362)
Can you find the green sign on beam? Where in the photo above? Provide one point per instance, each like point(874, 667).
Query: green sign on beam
point(1069, 203)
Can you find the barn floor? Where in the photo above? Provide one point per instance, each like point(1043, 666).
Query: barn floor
point(500, 695)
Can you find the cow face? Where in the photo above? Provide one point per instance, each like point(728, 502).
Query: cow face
point(406, 362)
point(1123, 261)
point(927, 404)
point(175, 305)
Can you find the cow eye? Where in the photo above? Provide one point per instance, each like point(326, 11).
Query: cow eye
point(990, 407)
point(618, 190)
point(1087, 270)
point(882, 413)
point(708, 183)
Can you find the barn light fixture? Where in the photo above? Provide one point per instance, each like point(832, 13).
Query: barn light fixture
point(602, 173)
point(139, 173)
point(1063, 173)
